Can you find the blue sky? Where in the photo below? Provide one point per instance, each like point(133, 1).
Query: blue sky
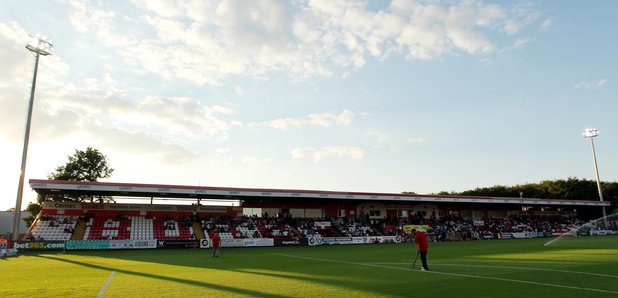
point(375, 96)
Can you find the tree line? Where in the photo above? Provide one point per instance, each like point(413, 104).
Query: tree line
point(571, 188)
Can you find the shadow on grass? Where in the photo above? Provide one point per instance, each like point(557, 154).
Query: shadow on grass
point(166, 278)
point(258, 262)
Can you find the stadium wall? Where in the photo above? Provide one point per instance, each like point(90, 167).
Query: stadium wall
point(6, 223)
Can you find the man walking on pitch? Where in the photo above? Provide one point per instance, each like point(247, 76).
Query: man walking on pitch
point(422, 246)
point(216, 245)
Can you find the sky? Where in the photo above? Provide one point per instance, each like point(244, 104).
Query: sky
point(360, 96)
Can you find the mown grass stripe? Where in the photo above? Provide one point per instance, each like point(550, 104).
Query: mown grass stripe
point(528, 268)
point(506, 267)
point(456, 274)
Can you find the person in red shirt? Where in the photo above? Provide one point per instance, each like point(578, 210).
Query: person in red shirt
point(422, 246)
point(216, 244)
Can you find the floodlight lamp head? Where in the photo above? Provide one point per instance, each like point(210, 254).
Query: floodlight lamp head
point(39, 45)
point(591, 132)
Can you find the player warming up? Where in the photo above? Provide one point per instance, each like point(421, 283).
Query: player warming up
point(422, 246)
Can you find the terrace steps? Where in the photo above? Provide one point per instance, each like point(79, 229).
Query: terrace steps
point(80, 230)
point(198, 231)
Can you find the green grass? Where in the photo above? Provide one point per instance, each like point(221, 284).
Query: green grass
point(571, 267)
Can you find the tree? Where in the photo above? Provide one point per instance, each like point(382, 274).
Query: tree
point(34, 209)
point(88, 165)
point(560, 189)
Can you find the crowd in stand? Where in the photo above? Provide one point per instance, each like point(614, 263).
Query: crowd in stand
point(353, 227)
point(449, 228)
point(55, 221)
point(53, 226)
point(453, 228)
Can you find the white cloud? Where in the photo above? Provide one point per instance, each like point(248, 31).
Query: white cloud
point(161, 7)
point(520, 16)
point(140, 143)
point(174, 116)
point(470, 41)
point(488, 15)
point(378, 135)
point(183, 116)
point(98, 21)
point(256, 161)
point(486, 61)
point(602, 82)
point(222, 152)
point(96, 108)
point(583, 84)
point(415, 140)
point(392, 144)
point(511, 27)
point(321, 119)
point(589, 85)
point(239, 90)
point(521, 42)
point(546, 25)
point(318, 154)
point(303, 39)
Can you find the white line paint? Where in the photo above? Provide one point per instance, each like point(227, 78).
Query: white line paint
point(507, 267)
point(107, 282)
point(531, 269)
point(526, 261)
point(456, 274)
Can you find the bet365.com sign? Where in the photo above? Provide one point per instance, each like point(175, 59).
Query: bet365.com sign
point(39, 245)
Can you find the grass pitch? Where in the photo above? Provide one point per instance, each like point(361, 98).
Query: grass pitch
point(571, 267)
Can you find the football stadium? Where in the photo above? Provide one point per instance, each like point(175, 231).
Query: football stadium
point(306, 243)
point(313, 148)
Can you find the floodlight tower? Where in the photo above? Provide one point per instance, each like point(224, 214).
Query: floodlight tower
point(591, 133)
point(39, 46)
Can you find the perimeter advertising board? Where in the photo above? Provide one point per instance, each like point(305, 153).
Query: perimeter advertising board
point(408, 228)
point(255, 242)
point(315, 241)
point(360, 240)
point(178, 244)
point(8, 252)
point(110, 244)
point(232, 242)
point(259, 242)
point(39, 245)
point(291, 242)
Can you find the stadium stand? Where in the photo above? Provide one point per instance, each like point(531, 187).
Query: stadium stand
point(186, 225)
point(285, 217)
point(142, 228)
point(167, 228)
point(54, 227)
point(101, 228)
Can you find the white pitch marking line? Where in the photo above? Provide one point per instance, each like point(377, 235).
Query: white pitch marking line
point(512, 267)
point(107, 282)
point(457, 274)
point(530, 268)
